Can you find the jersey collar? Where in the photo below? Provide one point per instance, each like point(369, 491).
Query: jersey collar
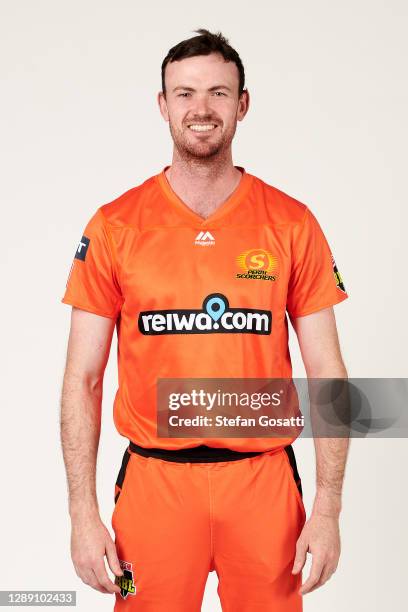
point(183, 209)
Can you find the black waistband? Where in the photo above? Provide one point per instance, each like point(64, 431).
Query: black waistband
point(197, 454)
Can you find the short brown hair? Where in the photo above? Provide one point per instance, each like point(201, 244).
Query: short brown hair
point(204, 44)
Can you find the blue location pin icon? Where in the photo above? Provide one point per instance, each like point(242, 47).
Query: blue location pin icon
point(215, 307)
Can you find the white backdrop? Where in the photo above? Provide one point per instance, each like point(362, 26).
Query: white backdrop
point(80, 125)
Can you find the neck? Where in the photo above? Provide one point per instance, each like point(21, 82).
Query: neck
point(203, 184)
point(209, 169)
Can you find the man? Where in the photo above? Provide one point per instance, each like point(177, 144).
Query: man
point(197, 268)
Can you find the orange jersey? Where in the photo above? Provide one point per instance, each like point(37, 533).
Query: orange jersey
point(200, 298)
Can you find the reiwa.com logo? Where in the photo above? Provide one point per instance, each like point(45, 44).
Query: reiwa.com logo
point(215, 317)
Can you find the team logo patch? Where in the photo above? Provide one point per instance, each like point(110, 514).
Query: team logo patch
point(204, 239)
point(82, 248)
point(126, 583)
point(216, 316)
point(257, 264)
point(337, 276)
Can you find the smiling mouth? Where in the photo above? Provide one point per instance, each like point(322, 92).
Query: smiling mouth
point(202, 127)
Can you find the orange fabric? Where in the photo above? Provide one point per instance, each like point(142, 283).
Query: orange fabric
point(175, 522)
point(147, 252)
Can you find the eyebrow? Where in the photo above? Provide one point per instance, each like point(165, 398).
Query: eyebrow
point(210, 89)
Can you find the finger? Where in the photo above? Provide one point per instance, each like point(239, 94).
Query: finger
point(314, 576)
point(103, 578)
point(98, 586)
point(112, 558)
point(300, 557)
point(88, 577)
point(327, 573)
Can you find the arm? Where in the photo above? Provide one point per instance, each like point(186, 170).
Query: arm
point(320, 350)
point(88, 351)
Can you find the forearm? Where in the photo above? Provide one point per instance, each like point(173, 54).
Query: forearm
point(80, 430)
point(331, 451)
point(331, 457)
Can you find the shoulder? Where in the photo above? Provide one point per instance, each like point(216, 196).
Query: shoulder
point(125, 209)
point(279, 205)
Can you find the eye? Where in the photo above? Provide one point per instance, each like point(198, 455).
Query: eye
point(183, 95)
point(220, 92)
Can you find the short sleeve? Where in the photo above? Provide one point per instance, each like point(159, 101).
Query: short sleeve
point(92, 284)
point(315, 282)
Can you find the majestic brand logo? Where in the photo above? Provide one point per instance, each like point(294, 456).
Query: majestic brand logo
point(82, 248)
point(126, 583)
point(257, 264)
point(216, 316)
point(204, 239)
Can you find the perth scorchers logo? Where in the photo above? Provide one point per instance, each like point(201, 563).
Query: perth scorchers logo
point(257, 264)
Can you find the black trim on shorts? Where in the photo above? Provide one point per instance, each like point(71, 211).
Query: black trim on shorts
point(122, 472)
point(292, 460)
point(196, 454)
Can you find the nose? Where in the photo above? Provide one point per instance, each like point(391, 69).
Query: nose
point(202, 107)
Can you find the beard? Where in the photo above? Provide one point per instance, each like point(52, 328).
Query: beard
point(191, 148)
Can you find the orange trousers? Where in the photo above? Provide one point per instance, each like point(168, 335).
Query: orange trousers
point(176, 522)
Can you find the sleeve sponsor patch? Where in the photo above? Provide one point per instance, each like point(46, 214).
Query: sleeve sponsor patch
point(82, 248)
point(337, 276)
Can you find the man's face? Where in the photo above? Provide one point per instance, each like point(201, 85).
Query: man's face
point(202, 104)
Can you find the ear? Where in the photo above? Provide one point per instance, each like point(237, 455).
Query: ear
point(161, 100)
point(243, 105)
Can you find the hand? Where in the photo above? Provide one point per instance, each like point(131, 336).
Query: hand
point(320, 537)
point(90, 542)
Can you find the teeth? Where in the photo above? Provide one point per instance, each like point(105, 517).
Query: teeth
point(202, 128)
